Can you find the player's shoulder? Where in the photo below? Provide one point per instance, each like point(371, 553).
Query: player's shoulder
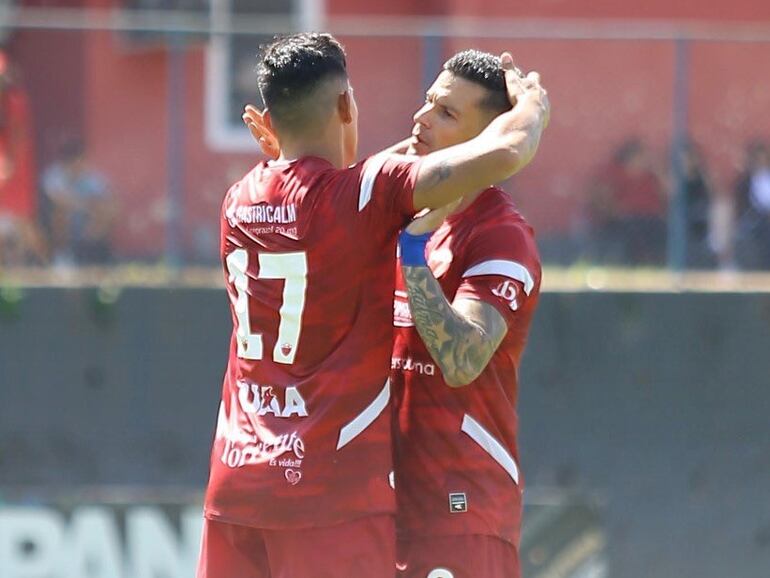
point(384, 162)
point(500, 239)
point(367, 168)
point(241, 184)
point(496, 213)
point(379, 173)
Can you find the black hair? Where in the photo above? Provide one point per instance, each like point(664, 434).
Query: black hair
point(291, 68)
point(486, 70)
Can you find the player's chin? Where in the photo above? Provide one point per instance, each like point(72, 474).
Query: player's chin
point(418, 148)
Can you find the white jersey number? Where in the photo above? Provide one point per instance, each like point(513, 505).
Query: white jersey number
point(289, 266)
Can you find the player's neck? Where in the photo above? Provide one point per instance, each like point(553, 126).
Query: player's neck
point(467, 201)
point(322, 148)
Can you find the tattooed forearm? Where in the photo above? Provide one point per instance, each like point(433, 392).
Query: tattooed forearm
point(437, 174)
point(460, 344)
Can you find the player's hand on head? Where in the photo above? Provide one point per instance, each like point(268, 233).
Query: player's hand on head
point(513, 78)
point(429, 220)
point(525, 88)
point(255, 121)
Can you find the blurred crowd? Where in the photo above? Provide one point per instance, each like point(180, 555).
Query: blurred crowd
point(64, 214)
point(630, 203)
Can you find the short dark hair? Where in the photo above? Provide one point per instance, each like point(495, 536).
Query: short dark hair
point(291, 68)
point(486, 70)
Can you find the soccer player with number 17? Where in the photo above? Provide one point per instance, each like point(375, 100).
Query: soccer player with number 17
point(299, 483)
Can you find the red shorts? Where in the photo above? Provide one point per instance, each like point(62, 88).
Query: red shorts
point(473, 556)
point(361, 548)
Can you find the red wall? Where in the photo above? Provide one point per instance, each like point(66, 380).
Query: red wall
point(602, 92)
point(736, 10)
point(385, 8)
point(57, 96)
point(128, 139)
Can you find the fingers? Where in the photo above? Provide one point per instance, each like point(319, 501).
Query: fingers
point(506, 61)
point(258, 133)
point(254, 119)
point(524, 87)
point(254, 115)
point(534, 77)
point(516, 83)
point(514, 86)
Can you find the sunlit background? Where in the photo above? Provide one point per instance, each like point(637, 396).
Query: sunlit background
point(645, 404)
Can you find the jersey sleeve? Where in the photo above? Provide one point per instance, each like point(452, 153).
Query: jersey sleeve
point(502, 268)
point(386, 189)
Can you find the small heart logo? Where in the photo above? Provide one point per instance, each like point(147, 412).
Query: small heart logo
point(292, 476)
point(286, 349)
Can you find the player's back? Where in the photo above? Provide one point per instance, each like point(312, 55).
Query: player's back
point(302, 438)
point(292, 229)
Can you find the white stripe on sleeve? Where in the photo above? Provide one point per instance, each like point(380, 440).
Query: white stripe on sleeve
point(512, 269)
point(367, 179)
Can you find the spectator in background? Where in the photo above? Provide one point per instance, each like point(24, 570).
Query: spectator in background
point(82, 209)
point(20, 238)
point(752, 192)
point(627, 209)
point(699, 195)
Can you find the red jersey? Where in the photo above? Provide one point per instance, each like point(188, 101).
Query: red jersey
point(18, 196)
point(303, 438)
point(455, 450)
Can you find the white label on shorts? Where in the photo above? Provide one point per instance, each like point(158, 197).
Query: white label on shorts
point(458, 503)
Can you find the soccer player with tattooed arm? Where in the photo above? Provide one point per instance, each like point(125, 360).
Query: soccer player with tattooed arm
point(464, 302)
point(301, 460)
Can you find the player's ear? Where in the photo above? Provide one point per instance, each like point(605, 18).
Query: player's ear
point(345, 106)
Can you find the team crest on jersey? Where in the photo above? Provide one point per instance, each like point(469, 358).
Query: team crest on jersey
point(286, 349)
point(263, 399)
point(508, 291)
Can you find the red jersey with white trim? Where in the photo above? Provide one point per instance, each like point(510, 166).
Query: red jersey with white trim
point(455, 450)
point(303, 435)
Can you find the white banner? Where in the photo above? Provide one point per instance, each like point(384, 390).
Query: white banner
point(99, 541)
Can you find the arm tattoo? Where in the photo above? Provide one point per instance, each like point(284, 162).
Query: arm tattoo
point(438, 174)
point(444, 170)
point(460, 345)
